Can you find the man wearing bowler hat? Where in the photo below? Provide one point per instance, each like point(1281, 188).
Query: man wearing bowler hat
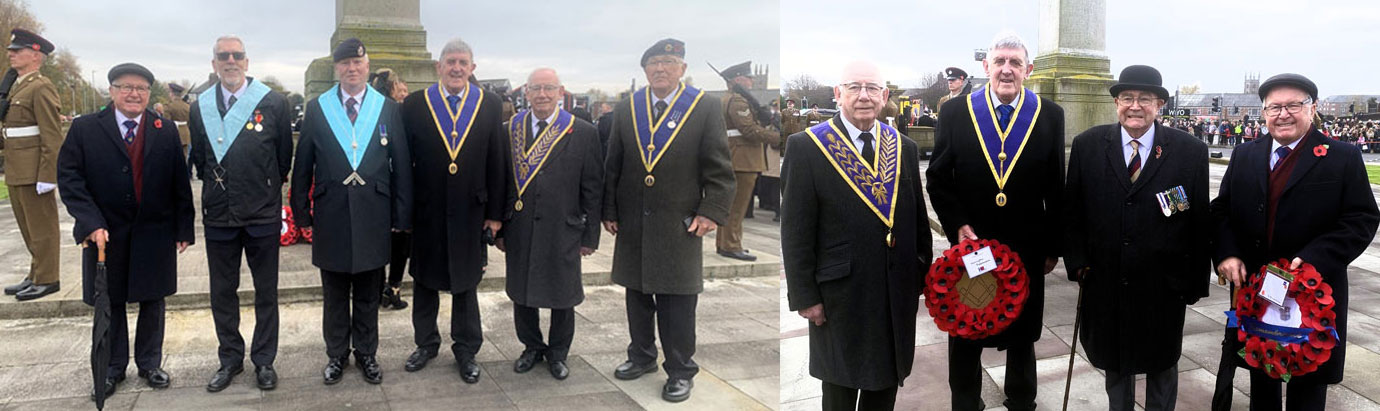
point(1137, 229)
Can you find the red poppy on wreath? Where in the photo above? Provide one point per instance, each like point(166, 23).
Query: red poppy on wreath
point(1283, 360)
point(157, 123)
point(946, 306)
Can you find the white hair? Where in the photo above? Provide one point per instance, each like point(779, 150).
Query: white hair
point(227, 37)
point(1008, 39)
point(456, 45)
point(544, 69)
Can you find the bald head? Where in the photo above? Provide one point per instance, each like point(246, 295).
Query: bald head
point(861, 94)
point(544, 90)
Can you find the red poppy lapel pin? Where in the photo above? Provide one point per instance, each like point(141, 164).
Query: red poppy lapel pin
point(157, 123)
point(1320, 151)
point(1159, 151)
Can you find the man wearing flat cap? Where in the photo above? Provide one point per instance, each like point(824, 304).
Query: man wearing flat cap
point(32, 136)
point(354, 149)
point(1300, 196)
point(957, 82)
point(1137, 228)
point(125, 182)
point(668, 182)
point(747, 140)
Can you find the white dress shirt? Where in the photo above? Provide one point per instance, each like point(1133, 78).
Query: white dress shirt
point(1274, 145)
point(854, 133)
point(1146, 141)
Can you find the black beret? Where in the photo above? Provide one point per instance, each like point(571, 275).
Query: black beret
point(665, 47)
point(129, 68)
point(349, 48)
point(741, 69)
point(24, 39)
point(954, 73)
point(176, 88)
point(1292, 80)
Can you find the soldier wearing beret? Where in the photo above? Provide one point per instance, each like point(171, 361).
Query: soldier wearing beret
point(31, 137)
point(747, 140)
point(125, 182)
point(668, 182)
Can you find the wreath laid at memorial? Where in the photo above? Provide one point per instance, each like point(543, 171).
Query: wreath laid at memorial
point(981, 306)
point(1285, 352)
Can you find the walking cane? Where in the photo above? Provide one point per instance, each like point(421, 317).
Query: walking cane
point(1073, 348)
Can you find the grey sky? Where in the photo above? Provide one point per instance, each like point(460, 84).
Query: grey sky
point(1210, 43)
point(591, 44)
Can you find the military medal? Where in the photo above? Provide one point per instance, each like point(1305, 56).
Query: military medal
point(649, 181)
point(383, 135)
point(451, 122)
point(258, 121)
point(518, 206)
point(259, 127)
point(249, 126)
point(997, 141)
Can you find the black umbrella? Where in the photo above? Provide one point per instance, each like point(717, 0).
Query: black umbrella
point(1226, 367)
point(100, 331)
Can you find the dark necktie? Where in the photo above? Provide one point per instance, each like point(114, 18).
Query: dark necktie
point(1004, 117)
point(231, 103)
point(541, 127)
point(867, 151)
point(660, 109)
point(1283, 153)
point(129, 135)
point(454, 101)
point(1134, 166)
point(350, 109)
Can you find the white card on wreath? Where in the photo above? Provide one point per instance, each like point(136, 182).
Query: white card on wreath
point(1274, 288)
point(1277, 316)
point(979, 262)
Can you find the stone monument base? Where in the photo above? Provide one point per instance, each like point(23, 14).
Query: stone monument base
point(1080, 85)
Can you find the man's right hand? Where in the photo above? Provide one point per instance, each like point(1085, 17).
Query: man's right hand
point(611, 227)
point(966, 233)
point(1234, 269)
point(814, 313)
point(99, 238)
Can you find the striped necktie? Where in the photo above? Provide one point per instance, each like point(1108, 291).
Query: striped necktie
point(1134, 166)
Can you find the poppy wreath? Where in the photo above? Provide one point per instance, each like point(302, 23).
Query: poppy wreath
point(960, 320)
point(1284, 352)
point(288, 234)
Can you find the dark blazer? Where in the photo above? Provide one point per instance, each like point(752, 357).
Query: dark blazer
point(256, 166)
point(653, 253)
point(560, 214)
point(835, 253)
point(1327, 216)
point(447, 252)
point(94, 172)
point(1145, 267)
point(963, 192)
point(351, 224)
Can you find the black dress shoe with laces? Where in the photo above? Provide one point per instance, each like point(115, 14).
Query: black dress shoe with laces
point(469, 371)
point(677, 389)
point(335, 368)
point(369, 365)
point(15, 289)
point(525, 362)
point(266, 377)
point(224, 376)
point(559, 370)
point(418, 359)
point(630, 370)
point(37, 290)
point(156, 378)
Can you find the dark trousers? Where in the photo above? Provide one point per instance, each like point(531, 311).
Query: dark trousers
point(965, 375)
point(841, 398)
point(1306, 395)
point(1161, 390)
point(402, 250)
point(350, 311)
point(224, 259)
point(148, 337)
point(769, 193)
point(466, 332)
point(528, 325)
point(674, 316)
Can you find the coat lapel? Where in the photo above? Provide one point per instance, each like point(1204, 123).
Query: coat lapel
point(150, 117)
point(112, 132)
point(1115, 158)
point(1306, 159)
point(1152, 161)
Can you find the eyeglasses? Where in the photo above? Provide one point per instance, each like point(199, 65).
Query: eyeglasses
point(1002, 61)
point(663, 62)
point(1144, 101)
point(226, 55)
point(1291, 108)
point(542, 88)
point(873, 90)
point(128, 89)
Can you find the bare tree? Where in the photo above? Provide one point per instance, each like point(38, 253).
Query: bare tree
point(1189, 89)
point(808, 91)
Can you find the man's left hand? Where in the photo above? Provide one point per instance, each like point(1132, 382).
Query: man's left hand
point(493, 225)
point(701, 226)
point(1294, 265)
point(182, 246)
point(586, 251)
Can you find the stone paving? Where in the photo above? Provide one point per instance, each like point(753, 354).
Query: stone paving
point(927, 387)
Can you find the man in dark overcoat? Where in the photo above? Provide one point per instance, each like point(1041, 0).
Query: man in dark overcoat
point(855, 257)
point(986, 184)
point(1301, 196)
point(558, 176)
point(352, 146)
point(460, 166)
point(124, 180)
point(668, 182)
point(1138, 231)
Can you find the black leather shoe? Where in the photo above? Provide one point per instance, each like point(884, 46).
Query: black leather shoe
point(335, 368)
point(266, 377)
point(559, 370)
point(630, 370)
point(469, 371)
point(392, 299)
point(111, 382)
point(157, 378)
point(738, 255)
point(15, 289)
point(369, 365)
point(418, 359)
point(677, 390)
point(525, 362)
point(37, 290)
point(224, 376)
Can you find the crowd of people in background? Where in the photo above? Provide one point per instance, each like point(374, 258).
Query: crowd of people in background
point(1219, 132)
